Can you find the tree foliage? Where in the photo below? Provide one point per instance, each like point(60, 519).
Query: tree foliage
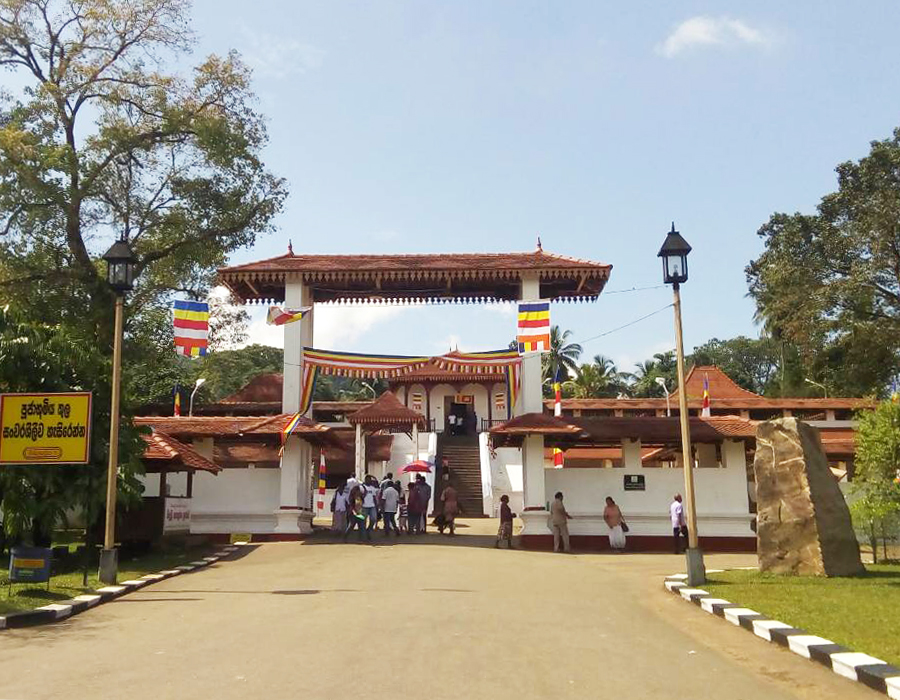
point(752, 363)
point(829, 282)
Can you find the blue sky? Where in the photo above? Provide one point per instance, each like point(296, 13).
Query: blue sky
point(477, 126)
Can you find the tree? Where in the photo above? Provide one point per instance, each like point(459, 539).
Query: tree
point(828, 282)
point(102, 140)
point(877, 479)
point(50, 358)
point(563, 355)
point(643, 381)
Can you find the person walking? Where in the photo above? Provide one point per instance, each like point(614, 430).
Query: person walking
point(390, 501)
point(505, 532)
point(414, 513)
point(612, 515)
point(679, 529)
point(450, 509)
point(370, 503)
point(425, 496)
point(559, 521)
point(339, 509)
point(404, 508)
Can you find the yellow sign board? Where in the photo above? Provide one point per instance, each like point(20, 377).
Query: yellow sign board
point(45, 428)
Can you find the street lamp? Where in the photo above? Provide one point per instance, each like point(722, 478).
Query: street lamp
point(197, 385)
point(662, 382)
point(821, 386)
point(674, 254)
point(120, 261)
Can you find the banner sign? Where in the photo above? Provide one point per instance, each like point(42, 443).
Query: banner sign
point(177, 516)
point(635, 482)
point(45, 428)
point(29, 565)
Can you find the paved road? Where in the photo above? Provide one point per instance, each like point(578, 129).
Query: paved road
point(422, 619)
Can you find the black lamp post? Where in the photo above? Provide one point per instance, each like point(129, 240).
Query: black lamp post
point(674, 254)
point(120, 261)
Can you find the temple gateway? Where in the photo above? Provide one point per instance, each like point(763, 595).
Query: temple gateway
point(480, 415)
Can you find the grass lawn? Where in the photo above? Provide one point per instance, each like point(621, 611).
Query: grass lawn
point(862, 613)
point(67, 584)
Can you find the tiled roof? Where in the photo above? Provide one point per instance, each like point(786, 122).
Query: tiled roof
point(596, 432)
point(161, 447)
point(378, 447)
point(225, 426)
point(387, 411)
point(749, 403)
point(428, 276)
point(263, 387)
point(536, 424)
point(721, 386)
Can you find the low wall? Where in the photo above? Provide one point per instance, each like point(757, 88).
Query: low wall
point(236, 500)
point(722, 506)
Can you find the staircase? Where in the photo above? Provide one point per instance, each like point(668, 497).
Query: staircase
point(464, 461)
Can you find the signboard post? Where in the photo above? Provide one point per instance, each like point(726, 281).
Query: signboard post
point(45, 428)
point(29, 565)
point(177, 515)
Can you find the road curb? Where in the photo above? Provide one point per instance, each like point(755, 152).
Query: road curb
point(63, 609)
point(862, 668)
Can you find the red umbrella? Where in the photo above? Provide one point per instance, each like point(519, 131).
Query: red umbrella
point(420, 465)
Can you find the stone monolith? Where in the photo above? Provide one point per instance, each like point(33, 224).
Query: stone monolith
point(803, 523)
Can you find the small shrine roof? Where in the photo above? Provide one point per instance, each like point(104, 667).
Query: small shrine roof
point(165, 453)
point(449, 277)
point(385, 413)
point(721, 386)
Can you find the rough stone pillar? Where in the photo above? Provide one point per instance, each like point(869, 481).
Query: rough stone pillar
point(803, 523)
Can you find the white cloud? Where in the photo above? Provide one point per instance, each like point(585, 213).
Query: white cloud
point(711, 31)
point(277, 57)
point(334, 327)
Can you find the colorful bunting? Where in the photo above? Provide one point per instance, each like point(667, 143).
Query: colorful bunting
point(320, 506)
point(705, 412)
point(191, 323)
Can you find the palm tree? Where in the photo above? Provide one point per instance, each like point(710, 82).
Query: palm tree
point(614, 381)
point(563, 355)
point(588, 383)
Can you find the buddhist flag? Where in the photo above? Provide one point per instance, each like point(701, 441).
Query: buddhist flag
point(288, 430)
point(557, 392)
point(278, 316)
point(320, 506)
point(705, 412)
point(191, 321)
point(534, 327)
point(177, 411)
point(557, 458)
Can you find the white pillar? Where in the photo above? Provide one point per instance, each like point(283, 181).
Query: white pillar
point(706, 455)
point(631, 454)
point(531, 400)
point(291, 518)
point(734, 455)
point(360, 453)
point(415, 440)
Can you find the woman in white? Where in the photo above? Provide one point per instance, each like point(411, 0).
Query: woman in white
point(614, 521)
point(339, 508)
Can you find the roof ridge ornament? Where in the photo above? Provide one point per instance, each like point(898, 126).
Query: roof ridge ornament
point(290, 248)
point(540, 248)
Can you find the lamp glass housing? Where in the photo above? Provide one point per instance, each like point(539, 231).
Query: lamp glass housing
point(120, 261)
point(675, 268)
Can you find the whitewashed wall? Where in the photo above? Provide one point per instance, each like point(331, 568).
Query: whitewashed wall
point(437, 396)
point(501, 474)
point(722, 504)
point(235, 500)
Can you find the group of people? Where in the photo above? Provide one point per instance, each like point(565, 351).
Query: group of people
point(615, 521)
point(361, 505)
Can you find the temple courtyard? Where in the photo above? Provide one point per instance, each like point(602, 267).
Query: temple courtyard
point(428, 617)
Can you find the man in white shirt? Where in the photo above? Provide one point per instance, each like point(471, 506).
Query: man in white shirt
point(370, 502)
point(676, 511)
point(391, 499)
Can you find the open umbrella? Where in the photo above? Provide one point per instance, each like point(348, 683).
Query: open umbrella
point(420, 465)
